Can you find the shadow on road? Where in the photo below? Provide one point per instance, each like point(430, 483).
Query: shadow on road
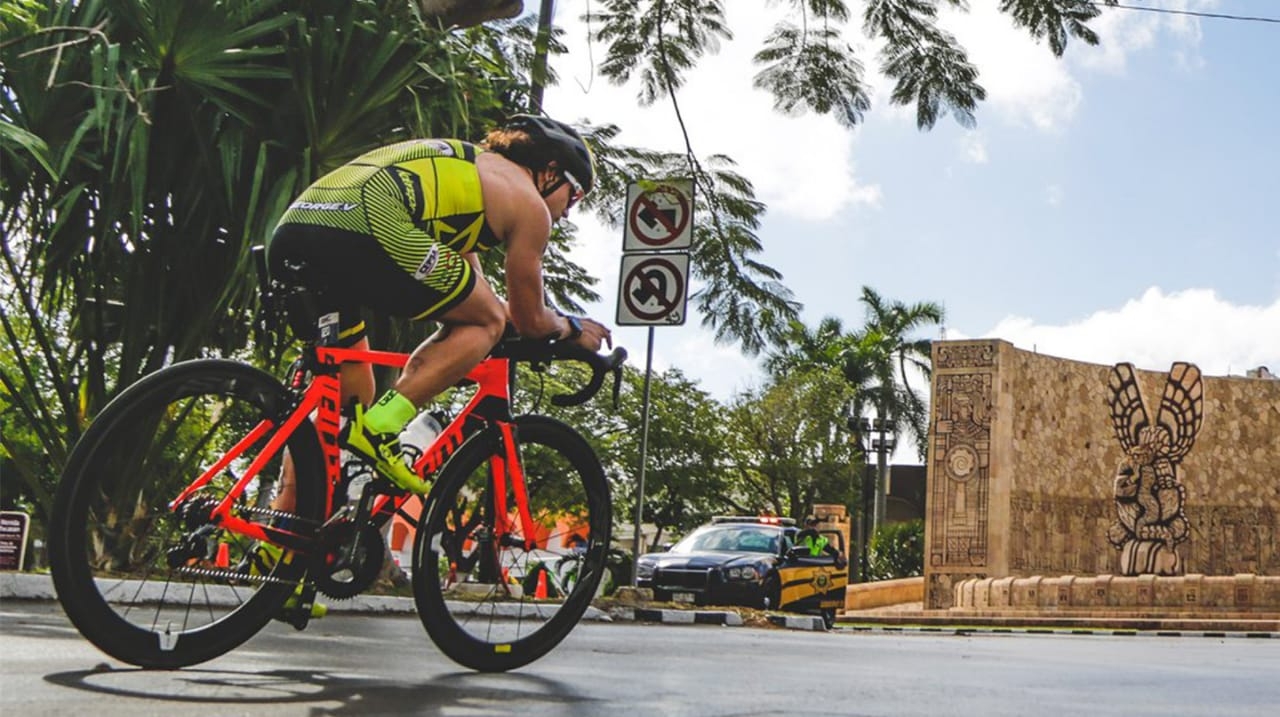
point(330, 694)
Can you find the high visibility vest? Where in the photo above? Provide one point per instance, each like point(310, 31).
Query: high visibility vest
point(814, 544)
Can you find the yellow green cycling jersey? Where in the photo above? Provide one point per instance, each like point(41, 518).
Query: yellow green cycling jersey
point(401, 195)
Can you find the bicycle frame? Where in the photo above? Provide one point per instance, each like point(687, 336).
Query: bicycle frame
point(320, 400)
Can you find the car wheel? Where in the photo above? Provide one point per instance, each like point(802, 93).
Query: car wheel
point(829, 619)
point(661, 595)
point(772, 593)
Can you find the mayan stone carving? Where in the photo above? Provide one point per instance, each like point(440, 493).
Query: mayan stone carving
point(1149, 494)
point(962, 436)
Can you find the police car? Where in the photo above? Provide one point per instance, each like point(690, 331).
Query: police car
point(750, 561)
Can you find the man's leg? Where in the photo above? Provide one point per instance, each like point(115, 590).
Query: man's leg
point(470, 330)
point(356, 381)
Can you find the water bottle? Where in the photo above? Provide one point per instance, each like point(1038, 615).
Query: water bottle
point(417, 437)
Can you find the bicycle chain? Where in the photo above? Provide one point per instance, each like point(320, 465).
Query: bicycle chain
point(272, 513)
point(231, 575)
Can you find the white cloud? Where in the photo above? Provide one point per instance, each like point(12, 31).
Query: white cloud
point(974, 147)
point(1025, 83)
point(1124, 32)
point(1157, 329)
point(801, 166)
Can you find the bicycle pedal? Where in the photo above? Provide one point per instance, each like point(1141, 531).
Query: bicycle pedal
point(297, 617)
point(301, 608)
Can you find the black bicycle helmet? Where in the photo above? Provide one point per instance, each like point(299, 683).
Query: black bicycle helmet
point(569, 150)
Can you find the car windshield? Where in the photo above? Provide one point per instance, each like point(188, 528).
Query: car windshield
point(731, 538)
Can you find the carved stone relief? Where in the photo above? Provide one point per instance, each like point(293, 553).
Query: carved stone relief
point(962, 443)
point(979, 355)
point(1149, 494)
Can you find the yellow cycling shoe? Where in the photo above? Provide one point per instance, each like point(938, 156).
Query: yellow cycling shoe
point(300, 607)
point(382, 451)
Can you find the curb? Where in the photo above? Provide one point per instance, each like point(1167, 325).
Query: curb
point(1100, 631)
point(682, 617)
point(798, 622)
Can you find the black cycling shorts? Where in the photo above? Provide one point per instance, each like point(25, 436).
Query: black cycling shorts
point(348, 271)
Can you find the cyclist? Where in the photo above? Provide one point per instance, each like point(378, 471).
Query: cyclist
point(396, 230)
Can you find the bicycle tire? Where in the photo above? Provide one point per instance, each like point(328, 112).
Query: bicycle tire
point(470, 601)
point(111, 529)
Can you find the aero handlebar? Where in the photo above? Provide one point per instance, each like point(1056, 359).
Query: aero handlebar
point(547, 351)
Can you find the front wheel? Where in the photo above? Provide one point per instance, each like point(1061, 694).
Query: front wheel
point(164, 589)
point(488, 595)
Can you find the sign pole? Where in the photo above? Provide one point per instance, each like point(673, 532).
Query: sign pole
point(657, 233)
point(644, 454)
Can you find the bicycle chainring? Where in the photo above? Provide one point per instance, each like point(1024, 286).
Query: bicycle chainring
point(342, 581)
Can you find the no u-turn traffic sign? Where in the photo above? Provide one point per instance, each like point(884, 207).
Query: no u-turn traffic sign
point(653, 289)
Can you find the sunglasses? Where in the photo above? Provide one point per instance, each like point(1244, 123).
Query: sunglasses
point(576, 195)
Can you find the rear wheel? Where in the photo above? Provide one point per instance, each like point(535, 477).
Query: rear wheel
point(496, 604)
point(159, 588)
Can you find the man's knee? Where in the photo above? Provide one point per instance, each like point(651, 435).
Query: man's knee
point(495, 322)
point(488, 316)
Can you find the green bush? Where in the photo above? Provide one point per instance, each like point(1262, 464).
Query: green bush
point(897, 551)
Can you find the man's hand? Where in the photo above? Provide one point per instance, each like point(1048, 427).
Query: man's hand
point(594, 335)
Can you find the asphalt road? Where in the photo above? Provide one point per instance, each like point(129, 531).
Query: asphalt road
point(363, 665)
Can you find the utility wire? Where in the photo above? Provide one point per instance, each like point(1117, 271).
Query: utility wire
point(1192, 13)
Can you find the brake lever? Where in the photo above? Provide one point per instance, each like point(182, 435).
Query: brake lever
point(617, 386)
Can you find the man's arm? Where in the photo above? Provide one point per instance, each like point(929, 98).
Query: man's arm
point(520, 218)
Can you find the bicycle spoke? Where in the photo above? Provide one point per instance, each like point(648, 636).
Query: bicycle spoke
point(497, 543)
point(127, 566)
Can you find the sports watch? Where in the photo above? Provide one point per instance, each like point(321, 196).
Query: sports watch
point(575, 328)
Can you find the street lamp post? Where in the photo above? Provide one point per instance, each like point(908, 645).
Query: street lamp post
point(873, 436)
point(882, 446)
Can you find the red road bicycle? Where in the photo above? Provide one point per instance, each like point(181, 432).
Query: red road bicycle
point(165, 501)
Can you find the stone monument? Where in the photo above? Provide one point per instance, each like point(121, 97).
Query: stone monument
point(1057, 484)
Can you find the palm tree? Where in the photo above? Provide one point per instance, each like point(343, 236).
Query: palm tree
point(148, 145)
point(880, 362)
point(803, 348)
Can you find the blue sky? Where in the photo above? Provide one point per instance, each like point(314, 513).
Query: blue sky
point(1121, 204)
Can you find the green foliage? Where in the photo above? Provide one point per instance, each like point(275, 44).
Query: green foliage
point(791, 447)
point(148, 145)
point(1056, 19)
point(658, 40)
point(882, 357)
point(807, 64)
point(813, 70)
point(877, 361)
point(897, 551)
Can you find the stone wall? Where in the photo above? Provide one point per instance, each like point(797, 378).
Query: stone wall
point(1023, 461)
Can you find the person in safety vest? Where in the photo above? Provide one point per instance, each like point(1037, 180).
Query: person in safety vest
point(811, 543)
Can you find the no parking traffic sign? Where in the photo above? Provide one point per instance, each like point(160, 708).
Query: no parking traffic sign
point(659, 216)
point(653, 289)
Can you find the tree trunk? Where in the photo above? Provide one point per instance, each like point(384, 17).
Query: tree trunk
point(466, 13)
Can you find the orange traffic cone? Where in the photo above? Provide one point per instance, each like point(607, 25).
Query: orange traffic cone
point(223, 559)
point(540, 593)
